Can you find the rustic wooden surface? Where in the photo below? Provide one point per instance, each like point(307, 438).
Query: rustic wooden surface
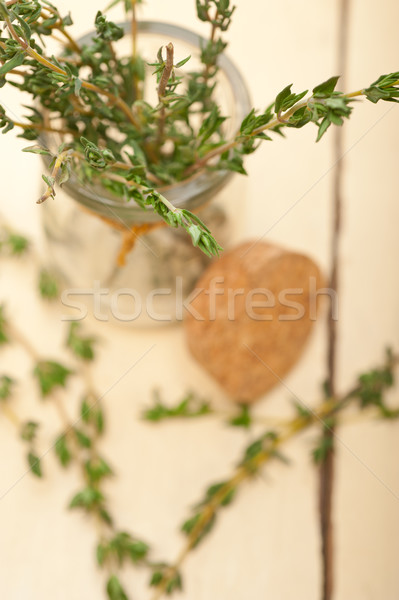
point(266, 545)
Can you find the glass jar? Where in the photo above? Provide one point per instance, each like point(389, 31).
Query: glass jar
point(85, 225)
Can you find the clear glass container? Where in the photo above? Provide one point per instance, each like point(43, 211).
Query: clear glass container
point(163, 266)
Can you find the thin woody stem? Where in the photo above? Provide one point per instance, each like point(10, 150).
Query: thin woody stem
point(67, 425)
point(143, 189)
point(59, 162)
point(40, 127)
point(245, 472)
point(163, 82)
point(326, 410)
point(327, 468)
point(72, 43)
point(134, 30)
point(123, 167)
point(116, 100)
point(233, 143)
point(212, 39)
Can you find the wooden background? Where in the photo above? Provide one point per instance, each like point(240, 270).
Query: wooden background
point(266, 544)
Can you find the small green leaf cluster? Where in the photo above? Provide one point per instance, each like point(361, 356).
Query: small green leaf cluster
point(97, 469)
point(3, 326)
point(384, 88)
point(62, 450)
point(34, 464)
point(98, 159)
point(106, 30)
point(6, 387)
point(120, 548)
point(191, 406)
point(28, 434)
point(218, 13)
point(223, 493)
point(81, 346)
point(325, 443)
point(222, 12)
point(200, 234)
point(198, 526)
point(92, 418)
point(17, 244)
point(373, 387)
point(243, 419)
point(29, 431)
point(48, 285)
point(15, 56)
point(263, 445)
point(51, 375)
point(287, 99)
point(115, 589)
point(168, 577)
point(6, 124)
point(13, 243)
point(92, 414)
point(328, 107)
point(90, 499)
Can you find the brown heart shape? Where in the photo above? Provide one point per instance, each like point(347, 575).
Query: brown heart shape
point(250, 316)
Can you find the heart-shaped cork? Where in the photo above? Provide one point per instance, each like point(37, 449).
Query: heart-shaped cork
point(250, 316)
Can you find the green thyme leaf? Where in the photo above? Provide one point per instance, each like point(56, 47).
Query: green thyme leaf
point(29, 430)
point(93, 414)
point(325, 89)
point(115, 590)
point(6, 386)
point(17, 244)
point(48, 285)
point(3, 324)
point(81, 346)
point(96, 469)
point(62, 450)
point(50, 375)
point(13, 63)
point(34, 464)
point(83, 440)
point(243, 419)
point(191, 406)
point(88, 498)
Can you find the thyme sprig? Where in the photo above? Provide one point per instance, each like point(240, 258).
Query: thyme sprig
point(26, 429)
point(76, 444)
point(191, 406)
point(369, 390)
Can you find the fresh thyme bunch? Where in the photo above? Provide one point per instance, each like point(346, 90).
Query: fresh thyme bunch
point(114, 136)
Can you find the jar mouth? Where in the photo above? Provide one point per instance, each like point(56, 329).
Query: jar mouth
point(190, 193)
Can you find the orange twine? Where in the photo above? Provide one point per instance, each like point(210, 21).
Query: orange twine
point(130, 234)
